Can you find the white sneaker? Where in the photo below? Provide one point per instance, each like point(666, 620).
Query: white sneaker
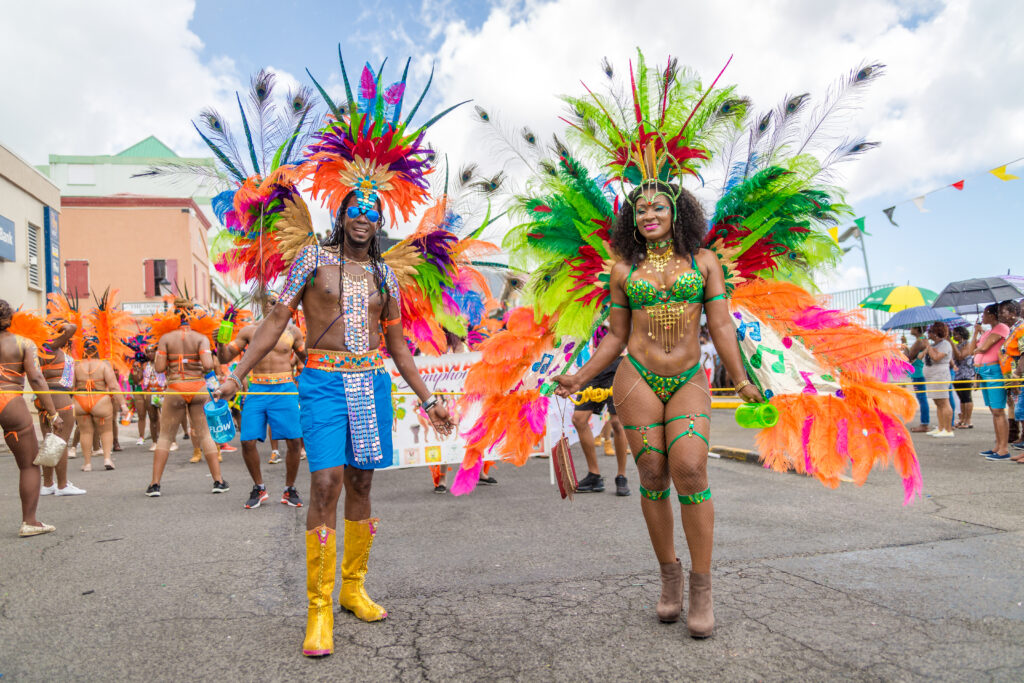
point(72, 453)
point(942, 435)
point(140, 441)
point(70, 490)
point(174, 446)
point(47, 490)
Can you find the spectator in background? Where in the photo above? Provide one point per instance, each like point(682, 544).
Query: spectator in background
point(913, 353)
point(964, 376)
point(936, 358)
point(1009, 355)
point(708, 356)
point(985, 348)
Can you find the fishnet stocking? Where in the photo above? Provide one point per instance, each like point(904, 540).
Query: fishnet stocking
point(688, 465)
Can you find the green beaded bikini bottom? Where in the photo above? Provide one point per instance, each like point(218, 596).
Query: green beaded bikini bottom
point(664, 387)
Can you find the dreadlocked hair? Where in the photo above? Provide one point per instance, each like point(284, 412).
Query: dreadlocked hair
point(337, 239)
point(6, 315)
point(688, 223)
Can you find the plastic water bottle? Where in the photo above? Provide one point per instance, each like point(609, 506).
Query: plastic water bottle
point(218, 414)
point(757, 415)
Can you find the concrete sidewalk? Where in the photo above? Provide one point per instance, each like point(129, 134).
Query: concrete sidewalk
point(513, 583)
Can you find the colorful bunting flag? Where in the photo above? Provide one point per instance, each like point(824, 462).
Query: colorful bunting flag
point(888, 214)
point(860, 223)
point(834, 232)
point(919, 203)
point(1002, 174)
point(959, 185)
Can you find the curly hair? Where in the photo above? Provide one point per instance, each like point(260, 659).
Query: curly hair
point(688, 224)
point(940, 329)
point(6, 314)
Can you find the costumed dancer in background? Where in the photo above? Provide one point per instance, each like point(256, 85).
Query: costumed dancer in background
point(18, 362)
point(140, 379)
point(820, 368)
point(362, 159)
point(279, 412)
point(58, 368)
point(183, 353)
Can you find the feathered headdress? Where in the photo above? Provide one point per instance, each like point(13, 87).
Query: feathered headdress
point(111, 326)
point(667, 128)
point(367, 148)
point(33, 327)
point(62, 309)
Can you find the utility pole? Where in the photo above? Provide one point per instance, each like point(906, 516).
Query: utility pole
point(867, 273)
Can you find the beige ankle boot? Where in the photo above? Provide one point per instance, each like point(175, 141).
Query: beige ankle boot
point(700, 617)
point(671, 603)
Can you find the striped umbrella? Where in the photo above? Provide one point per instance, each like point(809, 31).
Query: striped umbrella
point(894, 299)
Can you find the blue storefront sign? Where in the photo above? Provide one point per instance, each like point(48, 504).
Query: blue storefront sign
point(7, 250)
point(51, 227)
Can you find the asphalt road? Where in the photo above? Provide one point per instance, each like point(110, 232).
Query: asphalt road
point(513, 583)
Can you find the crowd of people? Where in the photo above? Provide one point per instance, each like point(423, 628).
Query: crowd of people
point(950, 364)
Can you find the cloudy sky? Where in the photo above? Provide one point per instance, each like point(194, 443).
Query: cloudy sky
point(93, 78)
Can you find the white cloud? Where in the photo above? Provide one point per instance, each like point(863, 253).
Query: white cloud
point(946, 106)
point(94, 78)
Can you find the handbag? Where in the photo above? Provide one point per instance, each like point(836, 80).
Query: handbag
point(565, 470)
point(50, 451)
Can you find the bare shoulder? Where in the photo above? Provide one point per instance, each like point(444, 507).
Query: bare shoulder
point(707, 260)
point(620, 270)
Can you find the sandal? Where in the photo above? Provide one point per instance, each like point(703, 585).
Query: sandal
point(87, 468)
point(108, 465)
point(965, 426)
point(920, 429)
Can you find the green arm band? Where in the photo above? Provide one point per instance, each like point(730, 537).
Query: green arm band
point(619, 305)
point(715, 298)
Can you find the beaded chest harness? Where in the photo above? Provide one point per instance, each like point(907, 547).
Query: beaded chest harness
point(666, 309)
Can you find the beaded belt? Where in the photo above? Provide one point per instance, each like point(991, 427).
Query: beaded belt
point(342, 361)
point(271, 378)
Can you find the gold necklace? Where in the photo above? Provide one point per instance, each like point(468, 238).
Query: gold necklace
point(657, 261)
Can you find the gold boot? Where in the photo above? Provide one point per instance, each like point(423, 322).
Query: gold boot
point(197, 454)
point(352, 596)
point(321, 564)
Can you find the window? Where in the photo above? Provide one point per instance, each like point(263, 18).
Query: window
point(35, 264)
point(157, 271)
point(77, 278)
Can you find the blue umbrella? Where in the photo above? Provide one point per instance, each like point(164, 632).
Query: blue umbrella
point(919, 316)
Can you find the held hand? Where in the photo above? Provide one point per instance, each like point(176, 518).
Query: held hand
point(567, 385)
point(438, 415)
point(751, 394)
point(56, 421)
point(226, 390)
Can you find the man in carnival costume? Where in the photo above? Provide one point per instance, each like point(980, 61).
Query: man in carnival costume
point(275, 404)
point(360, 161)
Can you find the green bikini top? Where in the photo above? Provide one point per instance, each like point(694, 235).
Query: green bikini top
point(688, 288)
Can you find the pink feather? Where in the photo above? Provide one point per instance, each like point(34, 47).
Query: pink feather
point(393, 94)
point(535, 414)
point(367, 84)
point(805, 437)
point(466, 478)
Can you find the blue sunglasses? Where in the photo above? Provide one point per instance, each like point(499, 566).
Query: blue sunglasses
point(371, 215)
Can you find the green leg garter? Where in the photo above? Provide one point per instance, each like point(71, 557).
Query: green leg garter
point(690, 431)
point(693, 498)
point(643, 435)
point(653, 495)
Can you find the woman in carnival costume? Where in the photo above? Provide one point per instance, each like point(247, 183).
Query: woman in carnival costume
point(642, 267)
point(18, 362)
point(353, 298)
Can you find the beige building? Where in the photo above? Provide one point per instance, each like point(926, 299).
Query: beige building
point(145, 247)
point(30, 264)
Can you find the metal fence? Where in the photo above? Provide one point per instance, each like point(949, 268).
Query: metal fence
point(847, 300)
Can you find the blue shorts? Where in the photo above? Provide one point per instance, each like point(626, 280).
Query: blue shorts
point(280, 412)
point(324, 417)
point(994, 393)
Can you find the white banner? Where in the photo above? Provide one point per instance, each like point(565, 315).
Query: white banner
point(414, 440)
